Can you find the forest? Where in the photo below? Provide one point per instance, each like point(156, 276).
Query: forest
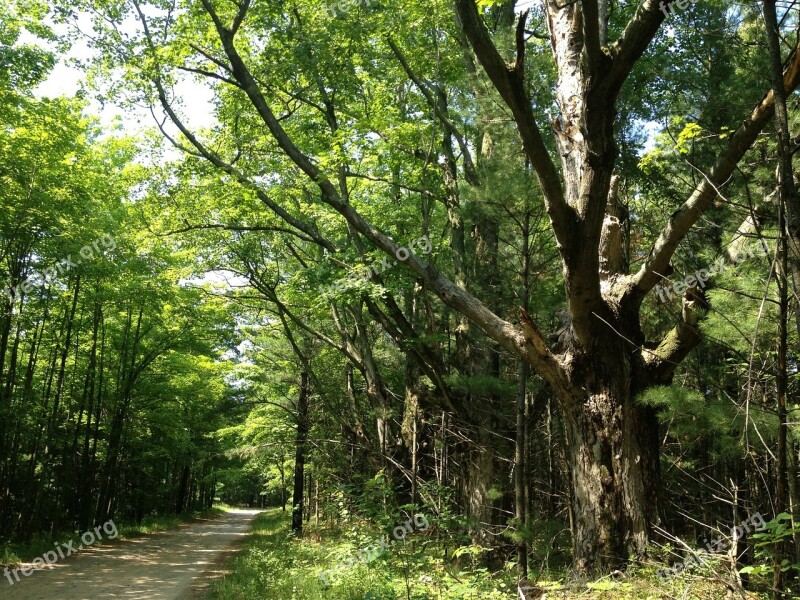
point(516, 279)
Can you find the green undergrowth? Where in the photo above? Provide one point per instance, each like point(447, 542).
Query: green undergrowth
point(641, 582)
point(274, 565)
point(14, 553)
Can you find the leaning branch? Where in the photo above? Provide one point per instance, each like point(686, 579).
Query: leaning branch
point(706, 191)
point(214, 158)
point(681, 340)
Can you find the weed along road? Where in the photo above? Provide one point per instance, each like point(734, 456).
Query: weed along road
point(170, 565)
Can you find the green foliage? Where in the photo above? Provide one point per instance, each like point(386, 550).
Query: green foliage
point(776, 533)
point(23, 64)
point(197, 378)
point(689, 413)
point(483, 385)
point(275, 565)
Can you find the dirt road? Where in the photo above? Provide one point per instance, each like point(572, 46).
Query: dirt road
point(164, 566)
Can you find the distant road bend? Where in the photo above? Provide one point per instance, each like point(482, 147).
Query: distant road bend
point(171, 565)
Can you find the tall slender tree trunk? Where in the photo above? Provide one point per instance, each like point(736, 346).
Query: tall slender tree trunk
point(520, 505)
point(83, 490)
point(15, 417)
point(51, 441)
point(126, 377)
point(182, 500)
point(300, 455)
point(520, 443)
point(782, 385)
point(789, 225)
point(282, 472)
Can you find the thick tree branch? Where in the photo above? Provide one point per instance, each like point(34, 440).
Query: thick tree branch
point(244, 5)
point(519, 62)
point(635, 39)
point(706, 191)
point(591, 34)
point(681, 340)
point(210, 57)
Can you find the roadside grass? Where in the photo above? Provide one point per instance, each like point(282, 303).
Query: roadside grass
point(641, 582)
point(273, 565)
point(15, 553)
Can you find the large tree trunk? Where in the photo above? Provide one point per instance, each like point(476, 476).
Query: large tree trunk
point(613, 460)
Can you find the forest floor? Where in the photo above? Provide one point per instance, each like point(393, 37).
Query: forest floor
point(177, 564)
point(275, 566)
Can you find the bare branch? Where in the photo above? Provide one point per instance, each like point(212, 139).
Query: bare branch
point(210, 57)
point(210, 74)
point(237, 20)
point(402, 186)
point(236, 228)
